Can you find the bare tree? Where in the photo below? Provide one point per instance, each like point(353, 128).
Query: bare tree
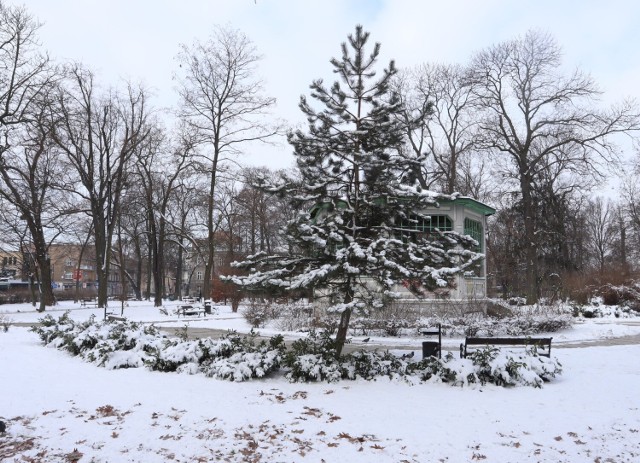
point(183, 219)
point(223, 101)
point(99, 135)
point(31, 179)
point(443, 97)
point(160, 168)
point(24, 72)
point(27, 168)
point(537, 117)
point(601, 226)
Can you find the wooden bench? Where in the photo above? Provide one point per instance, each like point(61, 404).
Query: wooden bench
point(475, 343)
point(115, 318)
point(89, 302)
point(185, 310)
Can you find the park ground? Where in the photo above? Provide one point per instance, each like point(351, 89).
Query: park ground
point(57, 408)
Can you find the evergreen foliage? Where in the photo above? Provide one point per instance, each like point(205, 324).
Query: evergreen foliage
point(234, 357)
point(358, 235)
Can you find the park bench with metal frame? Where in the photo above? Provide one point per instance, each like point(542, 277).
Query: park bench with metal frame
point(543, 345)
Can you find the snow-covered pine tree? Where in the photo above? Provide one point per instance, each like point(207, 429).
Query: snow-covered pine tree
point(361, 231)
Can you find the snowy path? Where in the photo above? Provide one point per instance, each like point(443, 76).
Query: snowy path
point(451, 344)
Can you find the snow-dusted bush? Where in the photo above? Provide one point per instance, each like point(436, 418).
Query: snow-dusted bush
point(240, 358)
point(390, 320)
point(51, 330)
point(4, 323)
point(373, 364)
point(313, 359)
point(131, 345)
point(506, 320)
point(258, 314)
point(517, 325)
point(295, 316)
point(618, 295)
point(109, 344)
point(628, 309)
point(495, 366)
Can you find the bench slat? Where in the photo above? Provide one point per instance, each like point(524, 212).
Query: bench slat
point(544, 343)
point(509, 341)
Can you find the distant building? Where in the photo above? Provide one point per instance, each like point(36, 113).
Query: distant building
point(66, 270)
point(465, 216)
point(193, 267)
point(10, 265)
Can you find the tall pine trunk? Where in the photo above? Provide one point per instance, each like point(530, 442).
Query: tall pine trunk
point(345, 317)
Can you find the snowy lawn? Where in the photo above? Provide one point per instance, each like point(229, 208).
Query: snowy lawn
point(583, 330)
point(53, 403)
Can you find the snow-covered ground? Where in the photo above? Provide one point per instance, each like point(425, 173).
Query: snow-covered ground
point(53, 403)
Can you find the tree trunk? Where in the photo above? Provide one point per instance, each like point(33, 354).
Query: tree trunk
point(178, 288)
point(147, 295)
point(532, 289)
point(46, 289)
point(343, 327)
point(76, 297)
point(43, 262)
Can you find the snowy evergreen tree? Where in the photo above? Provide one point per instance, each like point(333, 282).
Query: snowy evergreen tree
point(361, 232)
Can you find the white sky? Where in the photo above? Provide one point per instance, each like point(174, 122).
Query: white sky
point(138, 39)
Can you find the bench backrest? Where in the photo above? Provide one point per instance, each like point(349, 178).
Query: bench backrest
point(509, 341)
point(478, 341)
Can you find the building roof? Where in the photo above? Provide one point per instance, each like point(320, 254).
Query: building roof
point(472, 204)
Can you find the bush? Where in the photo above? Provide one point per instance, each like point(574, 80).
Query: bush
point(295, 316)
point(15, 296)
point(129, 345)
point(617, 295)
point(240, 358)
point(4, 323)
point(258, 314)
point(388, 321)
point(521, 324)
point(313, 359)
point(497, 367)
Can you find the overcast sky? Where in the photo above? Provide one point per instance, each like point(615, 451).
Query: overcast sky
point(139, 39)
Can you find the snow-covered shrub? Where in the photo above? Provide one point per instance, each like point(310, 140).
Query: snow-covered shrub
point(525, 321)
point(633, 307)
point(239, 358)
point(258, 314)
point(390, 320)
point(233, 357)
point(313, 367)
point(4, 323)
point(295, 316)
point(587, 311)
point(434, 369)
point(617, 295)
point(373, 364)
point(123, 344)
point(313, 359)
point(51, 329)
point(109, 344)
point(243, 366)
point(503, 368)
